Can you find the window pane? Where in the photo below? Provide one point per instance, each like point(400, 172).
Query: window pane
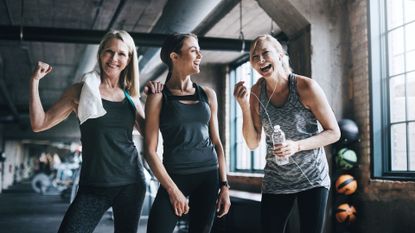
point(245, 159)
point(410, 61)
point(398, 148)
point(409, 10)
point(397, 98)
point(396, 51)
point(259, 156)
point(411, 141)
point(395, 14)
point(243, 156)
point(410, 36)
point(410, 89)
point(410, 46)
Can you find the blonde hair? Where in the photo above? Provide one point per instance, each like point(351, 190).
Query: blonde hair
point(285, 61)
point(129, 77)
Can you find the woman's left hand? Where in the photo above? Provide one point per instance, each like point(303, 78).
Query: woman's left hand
point(224, 202)
point(286, 149)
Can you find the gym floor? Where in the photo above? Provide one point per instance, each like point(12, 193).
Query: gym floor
point(23, 210)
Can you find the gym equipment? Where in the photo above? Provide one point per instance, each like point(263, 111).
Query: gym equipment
point(41, 182)
point(59, 180)
point(346, 159)
point(346, 184)
point(349, 131)
point(345, 213)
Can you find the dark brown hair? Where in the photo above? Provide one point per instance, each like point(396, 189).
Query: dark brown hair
point(173, 43)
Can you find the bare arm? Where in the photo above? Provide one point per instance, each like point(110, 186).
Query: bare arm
point(60, 110)
point(151, 129)
point(224, 202)
point(313, 97)
point(251, 122)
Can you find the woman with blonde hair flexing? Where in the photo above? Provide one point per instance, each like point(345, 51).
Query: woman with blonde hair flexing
point(108, 107)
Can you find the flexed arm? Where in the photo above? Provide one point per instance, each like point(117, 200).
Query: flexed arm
point(41, 120)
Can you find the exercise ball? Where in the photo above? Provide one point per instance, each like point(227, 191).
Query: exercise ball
point(345, 213)
point(349, 131)
point(346, 184)
point(346, 158)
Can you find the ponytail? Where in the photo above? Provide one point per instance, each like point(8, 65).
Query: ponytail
point(168, 76)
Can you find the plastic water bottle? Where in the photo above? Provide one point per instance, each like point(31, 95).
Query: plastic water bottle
point(278, 137)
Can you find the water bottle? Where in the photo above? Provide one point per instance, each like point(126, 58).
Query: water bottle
point(278, 137)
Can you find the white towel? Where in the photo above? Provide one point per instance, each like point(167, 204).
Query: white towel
point(90, 103)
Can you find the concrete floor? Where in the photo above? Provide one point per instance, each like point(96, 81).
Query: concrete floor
point(24, 211)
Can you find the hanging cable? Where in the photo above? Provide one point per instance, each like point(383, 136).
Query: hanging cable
point(21, 20)
point(241, 34)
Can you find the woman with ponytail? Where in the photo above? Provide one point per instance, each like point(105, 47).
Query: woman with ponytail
point(193, 170)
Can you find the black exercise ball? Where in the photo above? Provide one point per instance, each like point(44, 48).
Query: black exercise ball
point(349, 131)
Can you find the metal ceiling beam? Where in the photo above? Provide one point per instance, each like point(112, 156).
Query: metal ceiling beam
point(81, 36)
point(217, 14)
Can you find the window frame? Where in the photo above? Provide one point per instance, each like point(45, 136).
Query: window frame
point(232, 125)
point(379, 95)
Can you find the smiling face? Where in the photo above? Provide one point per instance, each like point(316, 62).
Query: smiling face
point(114, 57)
point(189, 58)
point(265, 58)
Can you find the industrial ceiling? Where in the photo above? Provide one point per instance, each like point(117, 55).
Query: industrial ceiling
point(66, 34)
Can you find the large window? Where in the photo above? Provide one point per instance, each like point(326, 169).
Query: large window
point(243, 159)
point(392, 44)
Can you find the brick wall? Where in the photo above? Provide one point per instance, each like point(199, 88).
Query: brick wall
point(383, 206)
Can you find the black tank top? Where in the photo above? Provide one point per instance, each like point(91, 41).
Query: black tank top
point(109, 157)
point(185, 130)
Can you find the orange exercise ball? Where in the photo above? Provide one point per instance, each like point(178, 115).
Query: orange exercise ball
point(346, 184)
point(345, 213)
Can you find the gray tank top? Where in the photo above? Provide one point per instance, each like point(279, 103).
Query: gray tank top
point(185, 129)
point(306, 169)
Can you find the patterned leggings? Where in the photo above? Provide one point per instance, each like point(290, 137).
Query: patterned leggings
point(90, 203)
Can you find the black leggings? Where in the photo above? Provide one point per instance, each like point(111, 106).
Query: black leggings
point(276, 208)
point(91, 203)
point(202, 190)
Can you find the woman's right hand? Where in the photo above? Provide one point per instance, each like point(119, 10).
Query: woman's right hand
point(153, 87)
point(41, 70)
point(241, 93)
point(178, 201)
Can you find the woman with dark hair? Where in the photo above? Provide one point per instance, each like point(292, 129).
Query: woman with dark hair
point(108, 107)
point(193, 159)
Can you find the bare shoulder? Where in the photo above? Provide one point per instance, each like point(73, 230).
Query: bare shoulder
point(306, 85)
point(309, 91)
point(209, 91)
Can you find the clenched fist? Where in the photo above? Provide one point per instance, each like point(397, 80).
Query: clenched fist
point(41, 70)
